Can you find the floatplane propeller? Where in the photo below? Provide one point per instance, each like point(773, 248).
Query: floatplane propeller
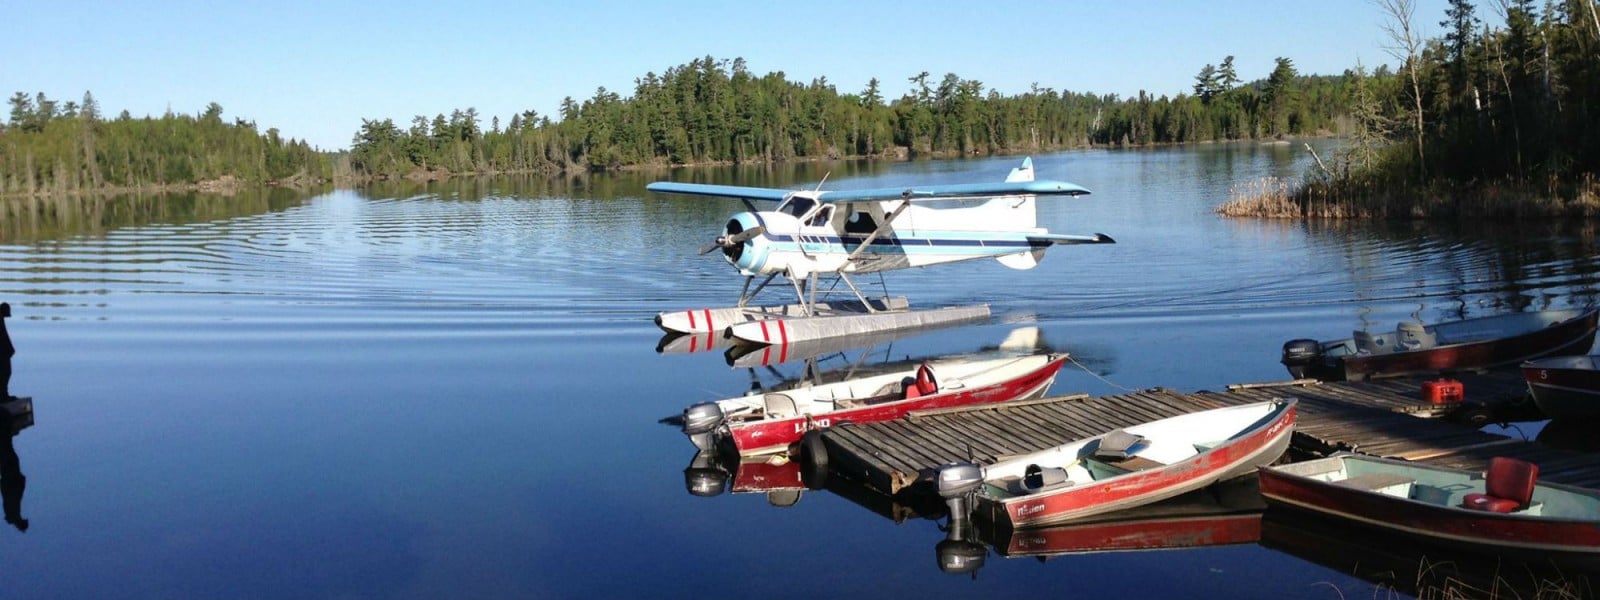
point(836, 234)
point(733, 239)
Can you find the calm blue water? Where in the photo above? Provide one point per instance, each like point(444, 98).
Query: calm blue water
point(452, 391)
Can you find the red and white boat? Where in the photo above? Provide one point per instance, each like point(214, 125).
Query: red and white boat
point(1468, 345)
point(767, 423)
point(1124, 468)
point(1505, 508)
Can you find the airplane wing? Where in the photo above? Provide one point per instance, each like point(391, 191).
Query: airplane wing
point(918, 193)
point(720, 191)
point(1067, 238)
point(960, 190)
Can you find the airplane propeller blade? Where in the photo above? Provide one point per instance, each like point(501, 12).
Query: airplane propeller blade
point(729, 241)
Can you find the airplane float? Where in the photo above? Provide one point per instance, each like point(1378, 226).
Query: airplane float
point(813, 234)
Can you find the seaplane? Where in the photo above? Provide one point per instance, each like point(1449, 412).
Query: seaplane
point(817, 239)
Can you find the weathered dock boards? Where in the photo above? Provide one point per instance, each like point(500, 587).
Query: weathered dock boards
point(1380, 418)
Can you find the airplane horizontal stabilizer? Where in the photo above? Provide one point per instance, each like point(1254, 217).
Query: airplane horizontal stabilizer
point(915, 194)
point(1063, 238)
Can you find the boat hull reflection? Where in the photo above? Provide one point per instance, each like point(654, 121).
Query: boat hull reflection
point(1227, 513)
point(1420, 568)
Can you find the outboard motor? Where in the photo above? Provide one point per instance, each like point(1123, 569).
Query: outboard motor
point(1302, 356)
point(960, 553)
point(700, 424)
point(956, 483)
point(704, 477)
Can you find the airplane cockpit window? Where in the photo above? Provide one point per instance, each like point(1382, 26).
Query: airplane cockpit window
point(860, 222)
point(797, 206)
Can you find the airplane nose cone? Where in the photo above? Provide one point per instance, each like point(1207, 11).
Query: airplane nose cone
point(733, 251)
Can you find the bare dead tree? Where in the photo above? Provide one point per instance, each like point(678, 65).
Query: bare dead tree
point(1503, 9)
point(1406, 45)
point(1594, 16)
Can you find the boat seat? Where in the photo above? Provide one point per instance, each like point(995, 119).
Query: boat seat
point(1118, 445)
point(1414, 336)
point(779, 406)
point(1508, 486)
point(923, 385)
point(1385, 483)
point(1366, 343)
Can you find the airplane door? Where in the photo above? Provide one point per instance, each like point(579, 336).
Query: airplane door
point(816, 230)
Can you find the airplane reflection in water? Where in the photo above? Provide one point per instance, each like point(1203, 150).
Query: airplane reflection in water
point(745, 355)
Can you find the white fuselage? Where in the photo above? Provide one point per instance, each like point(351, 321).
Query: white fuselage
point(803, 236)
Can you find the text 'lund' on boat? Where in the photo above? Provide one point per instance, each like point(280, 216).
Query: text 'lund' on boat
point(1504, 508)
point(1415, 349)
point(1124, 468)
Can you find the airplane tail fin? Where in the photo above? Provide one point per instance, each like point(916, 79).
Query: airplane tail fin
point(1022, 174)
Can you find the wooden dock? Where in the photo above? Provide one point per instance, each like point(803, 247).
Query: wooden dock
point(1384, 418)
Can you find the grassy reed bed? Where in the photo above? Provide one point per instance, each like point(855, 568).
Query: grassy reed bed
point(1351, 198)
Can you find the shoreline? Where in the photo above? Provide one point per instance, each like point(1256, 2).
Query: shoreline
point(228, 184)
point(1280, 199)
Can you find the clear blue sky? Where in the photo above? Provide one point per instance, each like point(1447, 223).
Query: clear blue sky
point(315, 69)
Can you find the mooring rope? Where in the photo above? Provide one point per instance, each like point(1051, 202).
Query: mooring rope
point(1097, 375)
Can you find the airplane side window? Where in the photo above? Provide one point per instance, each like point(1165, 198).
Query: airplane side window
point(860, 222)
point(821, 218)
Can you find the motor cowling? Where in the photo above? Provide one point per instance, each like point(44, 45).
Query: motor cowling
point(959, 479)
point(700, 423)
point(748, 241)
point(1301, 356)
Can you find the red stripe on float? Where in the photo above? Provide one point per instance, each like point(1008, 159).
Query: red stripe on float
point(783, 351)
point(764, 337)
point(691, 319)
point(709, 326)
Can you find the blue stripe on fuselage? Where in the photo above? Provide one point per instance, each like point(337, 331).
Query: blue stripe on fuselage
point(851, 242)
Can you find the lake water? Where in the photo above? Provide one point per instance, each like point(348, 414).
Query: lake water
point(453, 390)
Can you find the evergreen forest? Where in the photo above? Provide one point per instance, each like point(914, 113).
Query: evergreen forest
point(48, 146)
point(1512, 104)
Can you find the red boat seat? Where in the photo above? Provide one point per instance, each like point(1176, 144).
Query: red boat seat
point(923, 385)
point(1509, 486)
